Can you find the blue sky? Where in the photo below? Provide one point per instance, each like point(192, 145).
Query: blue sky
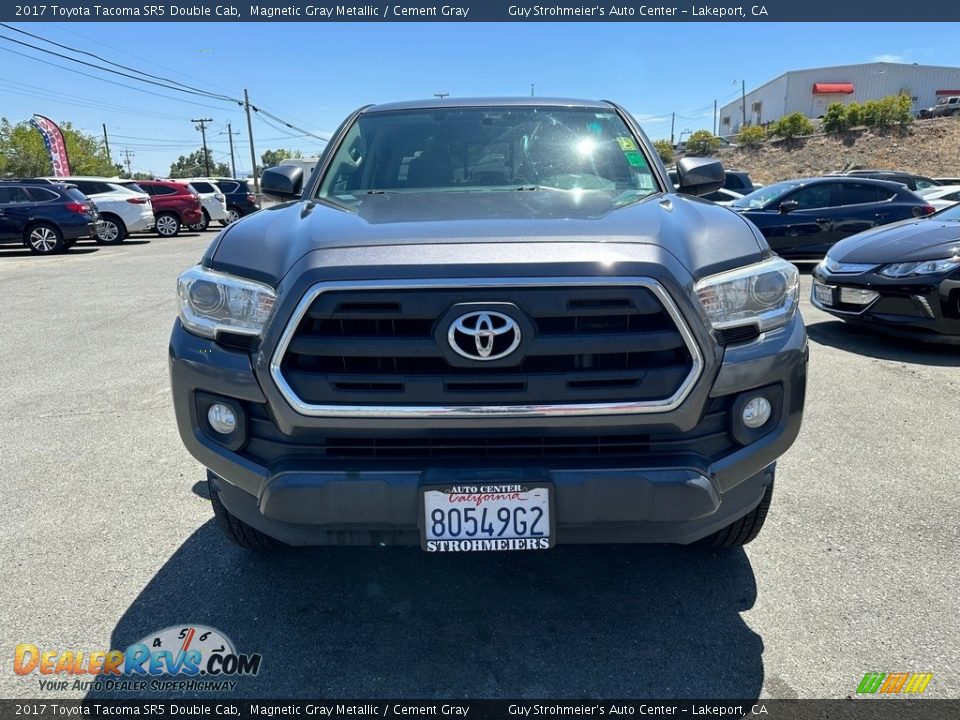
point(313, 74)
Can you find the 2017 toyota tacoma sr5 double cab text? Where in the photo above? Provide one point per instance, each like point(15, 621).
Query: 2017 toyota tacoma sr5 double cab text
point(489, 325)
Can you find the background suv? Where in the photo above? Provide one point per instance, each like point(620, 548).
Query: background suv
point(914, 182)
point(212, 199)
point(47, 217)
point(174, 205)
point(122, 210)
point(240, 199)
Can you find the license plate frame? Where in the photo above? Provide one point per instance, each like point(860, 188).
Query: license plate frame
point(824, 294)
point(497, 543)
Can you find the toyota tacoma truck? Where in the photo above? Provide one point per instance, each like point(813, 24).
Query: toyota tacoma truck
point(489, 324)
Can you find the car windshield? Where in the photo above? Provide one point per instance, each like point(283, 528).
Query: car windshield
point(759, 198)
point(488, 149)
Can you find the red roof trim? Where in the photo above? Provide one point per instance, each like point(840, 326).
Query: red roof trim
point(948, 92)
point(838, 88)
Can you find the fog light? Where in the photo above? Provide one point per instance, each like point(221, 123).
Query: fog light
point(756, 412)
point(224, 420)
point(858, 296)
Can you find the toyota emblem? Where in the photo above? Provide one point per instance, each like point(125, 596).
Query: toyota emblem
point(484, 335)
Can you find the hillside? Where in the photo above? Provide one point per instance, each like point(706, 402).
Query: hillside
point(927, 147)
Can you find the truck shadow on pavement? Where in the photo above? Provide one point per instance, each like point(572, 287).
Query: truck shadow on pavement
point(863, 341)
point(574, 622)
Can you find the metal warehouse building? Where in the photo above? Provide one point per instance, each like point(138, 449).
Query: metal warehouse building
point(811, 91)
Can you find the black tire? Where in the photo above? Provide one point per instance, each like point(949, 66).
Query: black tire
point(112, 231)
point(742, 531)
point(203, 224)
point(233, 214)
point(237, 531)
point(44, 239)
point(167, 224)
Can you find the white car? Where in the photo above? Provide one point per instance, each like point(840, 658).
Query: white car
point(723, 197)
point(122, 210)
point(212, 199)
point(941, 197)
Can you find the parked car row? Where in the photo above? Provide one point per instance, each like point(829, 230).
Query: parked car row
point(49, 214)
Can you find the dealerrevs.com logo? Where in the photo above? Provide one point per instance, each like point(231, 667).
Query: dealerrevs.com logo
point(180, 657)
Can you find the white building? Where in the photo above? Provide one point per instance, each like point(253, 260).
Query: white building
point(811, 91)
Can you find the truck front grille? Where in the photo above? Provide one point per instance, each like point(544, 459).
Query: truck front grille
point(385, 348)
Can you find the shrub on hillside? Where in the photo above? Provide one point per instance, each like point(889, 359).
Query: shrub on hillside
point(702, 142)
point(664, 150)
point(792, 126)
point(884, 113)
point(752, 136)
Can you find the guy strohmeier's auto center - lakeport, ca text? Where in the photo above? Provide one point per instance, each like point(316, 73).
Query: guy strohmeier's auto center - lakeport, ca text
point(451, 12)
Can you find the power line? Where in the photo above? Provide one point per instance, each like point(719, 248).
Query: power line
point(183, 86)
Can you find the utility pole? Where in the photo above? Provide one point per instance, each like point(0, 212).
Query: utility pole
point(714, 117)
point(203, 132)
point(743, 108)
point(233, 163)
point(253, 155)
point(127, 154)
point(673, 118)
point(106, 141)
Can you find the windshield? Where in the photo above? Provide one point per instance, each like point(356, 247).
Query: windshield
point(950, 213)
point(488, 149)
point(759, 198)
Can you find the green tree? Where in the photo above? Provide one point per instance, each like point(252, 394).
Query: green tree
point(664, 150)
point(272, 158)
point(702, 142)
point(23, 153)
point(837, 118)
point(193, 165)
point(752, 136)
point(792, 126)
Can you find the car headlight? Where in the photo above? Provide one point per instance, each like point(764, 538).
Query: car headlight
point(924, 267)
point(841, 268)
point(765, 294)
point(211, 302)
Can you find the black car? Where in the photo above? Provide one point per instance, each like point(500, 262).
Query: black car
point(45, 216)
point(914, 182)
point(802, 219)
point(903, 278)
point(240, 199)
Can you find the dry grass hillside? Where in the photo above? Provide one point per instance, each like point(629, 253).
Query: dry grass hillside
point(927, 147)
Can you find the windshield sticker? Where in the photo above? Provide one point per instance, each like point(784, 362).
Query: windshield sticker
point(626, 144)
point(635, 158)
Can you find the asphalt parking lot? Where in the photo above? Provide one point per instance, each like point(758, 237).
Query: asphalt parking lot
point(106, 535)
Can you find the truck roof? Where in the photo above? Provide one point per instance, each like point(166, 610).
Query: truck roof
point(488, 102)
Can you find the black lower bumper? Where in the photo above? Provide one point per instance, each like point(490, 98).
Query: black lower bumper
point(312, 500)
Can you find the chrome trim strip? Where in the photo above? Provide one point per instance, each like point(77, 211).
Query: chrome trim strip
point(508, 411)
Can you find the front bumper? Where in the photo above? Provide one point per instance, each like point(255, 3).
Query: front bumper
point(924, 308)
point(306, 500)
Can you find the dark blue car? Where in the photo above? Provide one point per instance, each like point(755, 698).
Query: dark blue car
point(46, 217)
point(802, 219)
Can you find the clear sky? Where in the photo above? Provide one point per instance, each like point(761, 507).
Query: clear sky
point(313, 74)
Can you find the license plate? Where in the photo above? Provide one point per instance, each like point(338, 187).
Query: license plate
point(823, 294)
point(486, 516)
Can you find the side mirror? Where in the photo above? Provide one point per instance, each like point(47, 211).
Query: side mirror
point(699, 176)
point(788, 205)
point(282, 183)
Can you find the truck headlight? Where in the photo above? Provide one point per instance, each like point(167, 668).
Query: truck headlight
point(765, 294)
point(925, 267)
point(211, 302)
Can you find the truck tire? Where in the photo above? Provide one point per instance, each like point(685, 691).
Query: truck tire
point(237, 531)
point(742, 531)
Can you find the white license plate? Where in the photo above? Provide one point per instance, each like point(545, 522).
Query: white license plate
point(823, 294)
point(487, 516)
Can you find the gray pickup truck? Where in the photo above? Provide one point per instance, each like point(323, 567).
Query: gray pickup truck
point(489, 325)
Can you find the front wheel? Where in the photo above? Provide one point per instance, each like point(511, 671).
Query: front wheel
point(232, 216)
point(237, 531)
point(741, 531)
point(110, 231)
point(44, 239)
point(203, 224)
point(168, 225)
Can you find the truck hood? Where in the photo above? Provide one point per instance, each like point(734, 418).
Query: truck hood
point(705, 238)
point(906, 241)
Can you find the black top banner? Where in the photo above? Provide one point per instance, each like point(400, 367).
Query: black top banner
point(632, 11)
